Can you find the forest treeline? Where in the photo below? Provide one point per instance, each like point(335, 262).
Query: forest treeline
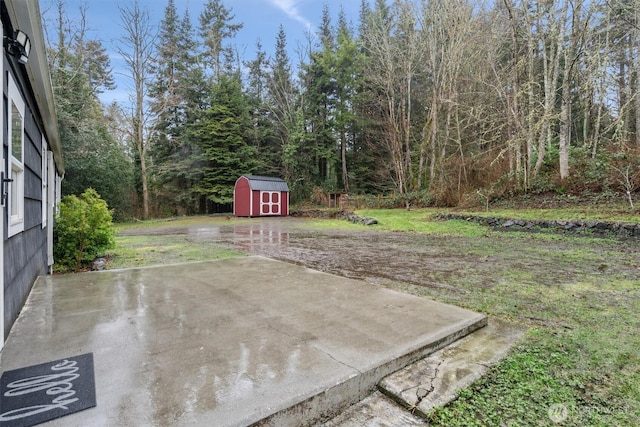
point(435, 102)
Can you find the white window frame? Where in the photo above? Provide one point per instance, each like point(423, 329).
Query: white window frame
point(16, 168)
point(45, 182)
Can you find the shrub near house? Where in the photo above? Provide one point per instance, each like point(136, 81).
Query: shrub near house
point(83, 230)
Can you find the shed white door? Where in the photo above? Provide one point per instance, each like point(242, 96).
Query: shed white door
point(270, 202)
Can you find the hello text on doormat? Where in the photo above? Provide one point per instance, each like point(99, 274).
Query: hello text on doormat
point(39, 393)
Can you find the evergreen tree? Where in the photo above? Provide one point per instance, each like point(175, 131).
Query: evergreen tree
point(319, 81)
point(347, 73)
point(367, 173)
point(216, 25)
point(262, 134)
point(165, 87)
point(173, 100)
point(287, 118)
point(223, 154)
point(80, 70)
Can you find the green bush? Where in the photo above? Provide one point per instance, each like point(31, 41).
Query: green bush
point(83, 230)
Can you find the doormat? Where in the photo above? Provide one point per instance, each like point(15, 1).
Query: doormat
point(39, 393)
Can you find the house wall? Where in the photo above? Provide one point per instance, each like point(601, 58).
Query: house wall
point(25, 254)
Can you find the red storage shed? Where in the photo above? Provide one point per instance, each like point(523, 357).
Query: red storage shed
point(260, 196)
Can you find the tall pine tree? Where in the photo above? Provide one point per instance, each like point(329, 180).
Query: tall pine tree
point(223, 153)
point(262, 135)
point(174, 100)
point(216, 26)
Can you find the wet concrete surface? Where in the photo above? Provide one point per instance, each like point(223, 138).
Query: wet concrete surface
point(375, 410)
point(228, 343)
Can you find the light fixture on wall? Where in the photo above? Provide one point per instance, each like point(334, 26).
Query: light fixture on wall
point(18, 46)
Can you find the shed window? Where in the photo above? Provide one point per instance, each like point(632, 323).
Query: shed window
point(16, 150)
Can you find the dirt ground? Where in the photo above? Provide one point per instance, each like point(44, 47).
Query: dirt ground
point(446, 267)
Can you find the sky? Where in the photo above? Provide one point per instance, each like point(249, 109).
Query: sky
point(261, 19)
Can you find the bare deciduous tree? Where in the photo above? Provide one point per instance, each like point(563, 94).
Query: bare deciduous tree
point(394, 51)
point(137, 49)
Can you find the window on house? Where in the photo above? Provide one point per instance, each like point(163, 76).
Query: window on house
point(16, 150)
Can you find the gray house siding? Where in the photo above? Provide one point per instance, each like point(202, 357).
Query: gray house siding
point(21, 270)
point(25, 254)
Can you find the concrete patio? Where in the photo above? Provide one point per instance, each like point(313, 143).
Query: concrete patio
point(228, 343)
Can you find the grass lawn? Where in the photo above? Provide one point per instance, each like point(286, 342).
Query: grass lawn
point(582, 353)
point(135, 248)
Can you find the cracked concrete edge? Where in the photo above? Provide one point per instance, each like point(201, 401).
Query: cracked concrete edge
point(376, 410)
point(334, 400)
point(428, 374)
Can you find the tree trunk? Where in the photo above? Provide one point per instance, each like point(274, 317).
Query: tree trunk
point(565, 102)
point(433, 136)
point(343, 159)
point(137, 50)
point(551, 62)
point(142, 152)
point(603, 66)
point(565, 124)
point(636, 71)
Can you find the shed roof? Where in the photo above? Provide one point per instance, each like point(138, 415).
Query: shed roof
point(266, 183)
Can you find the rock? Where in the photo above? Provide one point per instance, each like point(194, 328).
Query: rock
point(99, 264)
point(570, 225)
point(361, 220)
point(370, 221)
point(574, 226)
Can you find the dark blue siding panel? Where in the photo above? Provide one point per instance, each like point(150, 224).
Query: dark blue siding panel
point(23, 271)
point(25, 254)
point(32, 214)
